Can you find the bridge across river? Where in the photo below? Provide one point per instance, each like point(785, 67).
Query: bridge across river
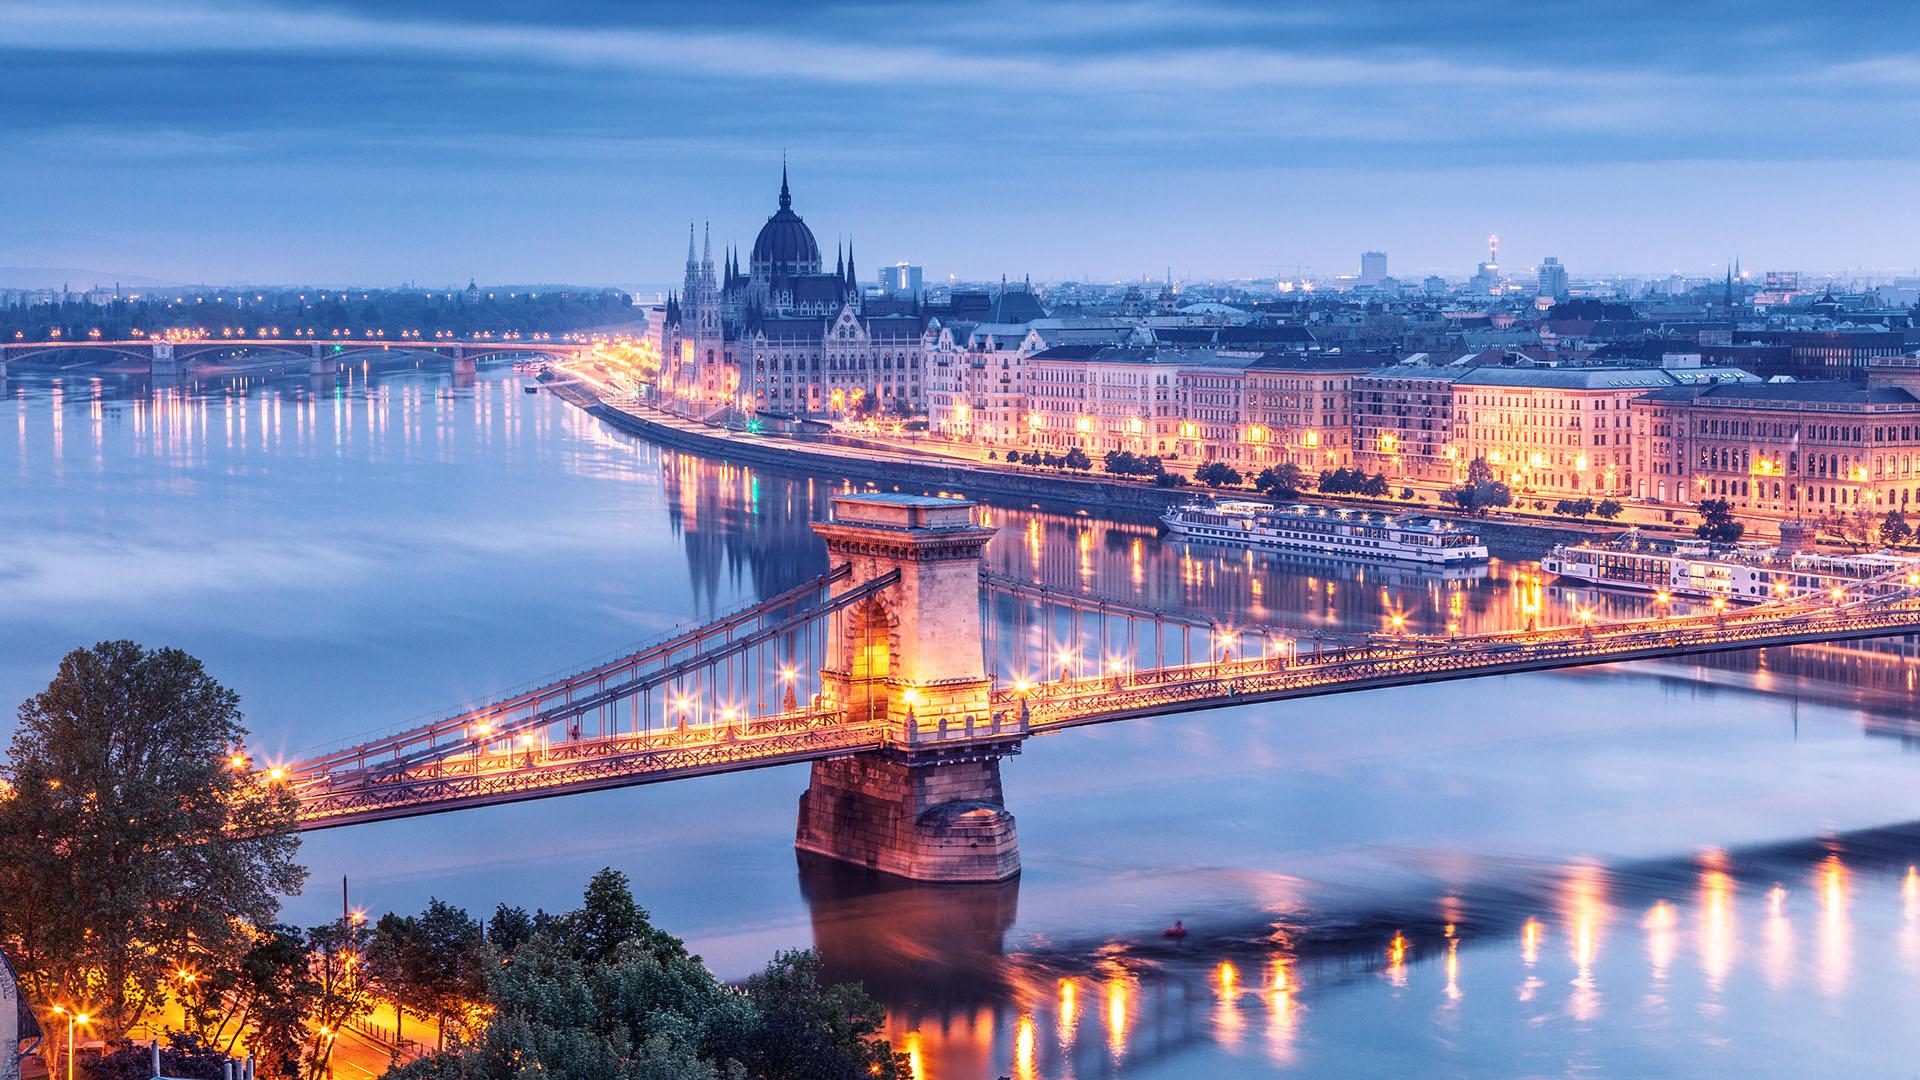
point(322, 355)
point(906, 673)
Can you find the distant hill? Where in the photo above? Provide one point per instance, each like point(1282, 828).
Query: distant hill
point(76, 278)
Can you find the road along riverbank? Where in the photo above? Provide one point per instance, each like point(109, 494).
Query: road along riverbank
point(887, 470)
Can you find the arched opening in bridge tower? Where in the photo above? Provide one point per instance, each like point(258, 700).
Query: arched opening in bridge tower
point(870, 632)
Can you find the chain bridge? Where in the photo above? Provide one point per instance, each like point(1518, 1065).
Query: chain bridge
point(906, 673)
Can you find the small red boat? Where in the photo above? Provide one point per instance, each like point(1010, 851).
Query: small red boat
point(1177, 930)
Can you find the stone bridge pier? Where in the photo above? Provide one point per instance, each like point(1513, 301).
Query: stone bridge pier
point(929, 805)
point(325, 362)
point(163, 362)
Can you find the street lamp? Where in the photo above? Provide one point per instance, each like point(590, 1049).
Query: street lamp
point(73, 1018)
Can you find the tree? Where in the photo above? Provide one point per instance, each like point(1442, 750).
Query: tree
point(601, 994)
point(1169, 480)
point(1574, 507)
point(1717, 523)
point(1407, 494)
point(183, 1055)
point(1479, 472)
point(1479, 498)
point(340, 991)
point(510, 928)
point(431, 963)
point(1374, 486)
point(1284, 481)
point(1609, 509)
point(1217, 474)
point(1894, 530)
point(132, 846)
point(1077, 460)
point(805, 1029)
point(1013, 457)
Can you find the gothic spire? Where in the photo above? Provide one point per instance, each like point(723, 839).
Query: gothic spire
point(853, 279)
point(690, 262)
point(839, 261)
point(706, 257)
point(786, 199)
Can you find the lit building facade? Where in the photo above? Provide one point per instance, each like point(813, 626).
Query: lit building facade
point(1552, 432)
point(1403, 423)
point(1813, 449)
point(785, 335)
point(1298, 409)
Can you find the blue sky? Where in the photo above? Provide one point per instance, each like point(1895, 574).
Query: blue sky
point(572, 141)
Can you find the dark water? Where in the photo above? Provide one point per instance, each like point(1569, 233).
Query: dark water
point(1643, 870)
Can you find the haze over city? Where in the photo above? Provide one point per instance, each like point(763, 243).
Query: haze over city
point(358, 142)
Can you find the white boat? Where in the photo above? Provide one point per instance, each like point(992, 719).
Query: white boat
point(1747, 572)
point(1317, 530)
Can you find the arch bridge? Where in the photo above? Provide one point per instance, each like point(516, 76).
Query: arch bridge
point(324, 356)
point(907, 672)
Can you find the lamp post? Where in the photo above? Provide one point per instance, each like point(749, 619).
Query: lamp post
point(73, 1019)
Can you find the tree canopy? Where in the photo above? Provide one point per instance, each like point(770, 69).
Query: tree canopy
point(131, 846)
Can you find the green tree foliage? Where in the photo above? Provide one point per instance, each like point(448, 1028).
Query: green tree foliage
point(131, 848)
point(1579, 508)
point(1353, 482)
point(602, 994)
point(1128, 463)
point(1717, 523)
point(1170, 480)
point(181, 1056)
point(1609, 509)
point(1217, 474)
point(1894, 530)
point(1077, 460)
point(1285, 481)
point(432, 964)
point(1481, 492)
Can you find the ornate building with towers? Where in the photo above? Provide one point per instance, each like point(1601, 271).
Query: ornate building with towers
point(787, 336)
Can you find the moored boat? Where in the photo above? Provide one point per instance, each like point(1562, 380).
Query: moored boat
point(1324, 531)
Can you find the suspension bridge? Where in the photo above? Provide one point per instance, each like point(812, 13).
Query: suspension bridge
point(906, 672)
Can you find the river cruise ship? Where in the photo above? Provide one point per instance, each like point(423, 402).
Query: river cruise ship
point(1746, 573)
point(1321, 531)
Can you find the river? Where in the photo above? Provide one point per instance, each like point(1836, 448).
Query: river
point(1656, 869)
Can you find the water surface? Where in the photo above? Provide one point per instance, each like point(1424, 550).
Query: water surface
point(1636, 870)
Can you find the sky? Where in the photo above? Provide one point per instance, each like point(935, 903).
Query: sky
point(376, 142)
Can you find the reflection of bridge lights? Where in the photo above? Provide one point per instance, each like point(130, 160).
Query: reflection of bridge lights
point(1530, 941)
point(1228, 977)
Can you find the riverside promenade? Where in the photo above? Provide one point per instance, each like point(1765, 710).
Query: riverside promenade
point(925, 472)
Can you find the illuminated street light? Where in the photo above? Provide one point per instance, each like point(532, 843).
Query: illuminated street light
point(73, 1018)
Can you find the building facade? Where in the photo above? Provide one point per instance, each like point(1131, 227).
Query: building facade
point(1813, 449)
point(786, 336)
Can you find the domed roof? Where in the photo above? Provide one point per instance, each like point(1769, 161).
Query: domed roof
point(785, 244)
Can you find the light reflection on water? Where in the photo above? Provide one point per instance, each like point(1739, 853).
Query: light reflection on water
point(1607, 870)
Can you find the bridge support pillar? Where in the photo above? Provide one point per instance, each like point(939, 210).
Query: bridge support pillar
point(909, 659)
point(924, 816)
point(324, 361)
point(464, 366)
point(163, 361)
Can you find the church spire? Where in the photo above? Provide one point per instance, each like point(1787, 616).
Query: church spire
point(706, 255)
point(853, 279)
point(839, 262)
point(690, 263)
point(786, 198)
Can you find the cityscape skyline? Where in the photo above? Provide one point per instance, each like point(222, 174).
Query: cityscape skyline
point(351, 144)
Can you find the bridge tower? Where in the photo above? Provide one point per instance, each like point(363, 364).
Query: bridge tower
point(163, 361)
point(928, 805)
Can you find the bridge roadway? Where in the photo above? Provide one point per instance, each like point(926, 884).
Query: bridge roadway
point(507, 769)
